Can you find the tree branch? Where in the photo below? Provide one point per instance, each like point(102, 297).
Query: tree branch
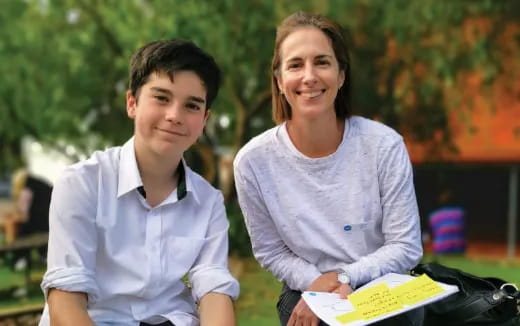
point(261, 101)
point(104, 30)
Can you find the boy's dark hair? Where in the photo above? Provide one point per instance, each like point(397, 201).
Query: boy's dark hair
point(169, 56)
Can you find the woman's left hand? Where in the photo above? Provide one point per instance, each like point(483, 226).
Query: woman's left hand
point(326, 282)
point(343, 290)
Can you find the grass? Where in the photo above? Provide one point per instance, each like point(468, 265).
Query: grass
point(259, 289)
point(9, 278)
point(508, 271)
point(10, 281)
point(259, 292)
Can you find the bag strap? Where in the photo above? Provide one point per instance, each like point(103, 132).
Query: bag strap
point(477, 307)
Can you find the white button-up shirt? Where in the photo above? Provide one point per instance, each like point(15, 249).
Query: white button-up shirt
point(130, 258)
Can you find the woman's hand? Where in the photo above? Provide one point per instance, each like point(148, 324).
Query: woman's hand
point(343, 290)
point(327, 282)
point(302, 315)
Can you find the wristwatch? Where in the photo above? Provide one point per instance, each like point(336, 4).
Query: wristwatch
point(343, 277)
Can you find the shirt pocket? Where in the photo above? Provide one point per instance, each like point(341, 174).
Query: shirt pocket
point(356, 233)
point(181, 253)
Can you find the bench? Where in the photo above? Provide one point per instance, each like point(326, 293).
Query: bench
point(17, 312)
point(25, 245)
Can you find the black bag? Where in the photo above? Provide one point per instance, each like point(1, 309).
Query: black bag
point(480, 301)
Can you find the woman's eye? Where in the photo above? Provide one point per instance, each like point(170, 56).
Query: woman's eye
point(322, 63)
point(293, 66)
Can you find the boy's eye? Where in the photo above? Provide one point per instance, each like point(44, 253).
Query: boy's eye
point(161, 98)
point(193, 106)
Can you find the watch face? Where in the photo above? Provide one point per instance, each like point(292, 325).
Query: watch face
point(343, 278)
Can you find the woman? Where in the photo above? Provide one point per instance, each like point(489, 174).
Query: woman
point(328, 199)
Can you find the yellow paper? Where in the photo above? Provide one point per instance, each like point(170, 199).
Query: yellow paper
point(349, 317)
point(417, 290)
point(375, 301)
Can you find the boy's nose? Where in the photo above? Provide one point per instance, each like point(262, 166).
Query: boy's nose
point(174, 114)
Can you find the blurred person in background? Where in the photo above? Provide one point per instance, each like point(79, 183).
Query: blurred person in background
point(328, 198)
point(447, 225)
point(31, 198)
point(7, 221)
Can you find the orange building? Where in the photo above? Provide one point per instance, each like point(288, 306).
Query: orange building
point(483, 117)
point(484, 168)
point(485, 129)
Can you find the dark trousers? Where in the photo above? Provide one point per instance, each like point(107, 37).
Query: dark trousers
point(165, 323)
point(289, 298)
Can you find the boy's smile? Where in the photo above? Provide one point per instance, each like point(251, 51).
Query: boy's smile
point(169, 114)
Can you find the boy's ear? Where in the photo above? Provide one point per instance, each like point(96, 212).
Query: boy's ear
point(206, 115)
point(131, 103)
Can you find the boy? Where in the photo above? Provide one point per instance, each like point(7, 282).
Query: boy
point(127, 224)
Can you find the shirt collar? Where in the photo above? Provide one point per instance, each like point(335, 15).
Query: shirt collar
point(187, 185)
point(181, 185)
point(130, 179)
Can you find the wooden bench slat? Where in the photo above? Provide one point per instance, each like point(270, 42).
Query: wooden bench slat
point(20, 311)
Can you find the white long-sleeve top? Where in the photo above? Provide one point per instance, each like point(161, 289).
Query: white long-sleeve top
point(107, 241)
point(354, 210)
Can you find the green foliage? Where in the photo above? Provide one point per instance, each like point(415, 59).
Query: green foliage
point(64, 63)
point(239, 243)
point(393, 39)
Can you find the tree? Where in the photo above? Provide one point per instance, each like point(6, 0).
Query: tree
point(412, 60)
point(65, 63)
